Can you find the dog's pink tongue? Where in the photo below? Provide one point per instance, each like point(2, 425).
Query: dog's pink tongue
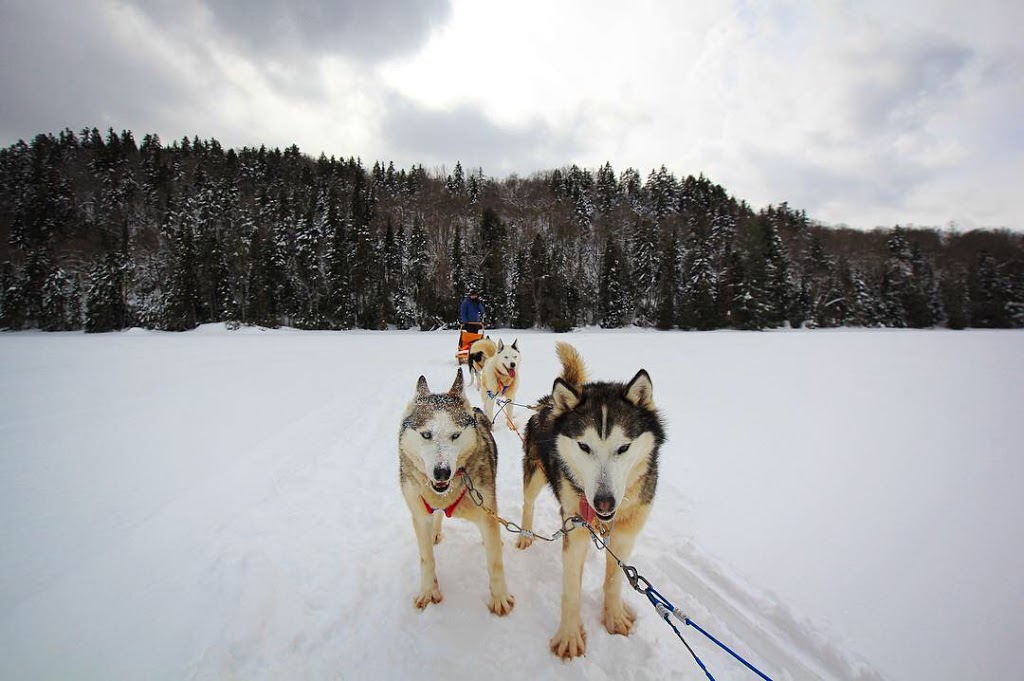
point(586, 512)
point(511, 373)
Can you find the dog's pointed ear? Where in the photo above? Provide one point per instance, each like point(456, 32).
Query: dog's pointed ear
point(515, 344)
point(640, 390)
point(501, 345)
point(456, 389)
point(564, 397)
point(421, 387)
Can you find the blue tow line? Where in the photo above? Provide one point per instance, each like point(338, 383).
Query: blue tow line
point(665, 609)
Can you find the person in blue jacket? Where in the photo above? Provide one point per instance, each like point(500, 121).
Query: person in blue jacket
point(471, 312)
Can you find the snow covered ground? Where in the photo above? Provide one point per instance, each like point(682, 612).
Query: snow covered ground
point(224, 504)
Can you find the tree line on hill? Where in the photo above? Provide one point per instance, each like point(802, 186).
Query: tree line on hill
point(101, 233)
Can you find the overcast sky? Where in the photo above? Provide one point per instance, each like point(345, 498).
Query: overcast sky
point(863, 112)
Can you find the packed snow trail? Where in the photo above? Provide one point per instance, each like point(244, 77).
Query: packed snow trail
point(222, 504)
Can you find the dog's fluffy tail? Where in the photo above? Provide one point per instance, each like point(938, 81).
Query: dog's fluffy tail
point(574, 371)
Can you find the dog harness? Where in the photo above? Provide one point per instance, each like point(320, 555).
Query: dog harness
point(504, 389)
point(449, 509)
point(504, 386)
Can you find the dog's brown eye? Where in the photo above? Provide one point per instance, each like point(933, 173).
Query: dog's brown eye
point(584, 446)
point(427, 435)
point(623, 449)
point(456, 436)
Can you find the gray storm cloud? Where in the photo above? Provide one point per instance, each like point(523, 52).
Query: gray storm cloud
point(369, 31)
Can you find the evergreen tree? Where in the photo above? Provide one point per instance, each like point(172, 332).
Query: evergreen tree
point(419, 267)
point(896, 281)
point(268, 275)
point(607, 194)
point(800, 305)
point(341, 304)
point(61, 309)
point(956, 301)
point(493, 237)
point(909, 290)
point(822, 289)
point(615, 306)
point(698, 300)
point(524, 312)
point(105, 308)
point(770, 282)
point(644, 266)
point(668, 274)
point(11, 315)
point(559, 297)
point(865, 306)
point(632, 188)
point(738, 305)
point(456, 182)
point(923, 306)
point(181, 311)
point(1014, 273)
point(475, 185)
point(580, 186)
point(32, 283)
point(548, 285)
point(366, 268)
point(661, 194)
point(459, 276)
point(989, 293)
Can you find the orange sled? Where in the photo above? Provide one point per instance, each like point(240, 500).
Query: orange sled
point(469, 333)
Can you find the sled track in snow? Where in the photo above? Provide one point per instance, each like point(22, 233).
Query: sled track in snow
point(760, 629)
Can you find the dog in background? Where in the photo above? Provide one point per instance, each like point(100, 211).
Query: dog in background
point(479, 352)
point(596, 445)
point(441, 437)
point(499, 377)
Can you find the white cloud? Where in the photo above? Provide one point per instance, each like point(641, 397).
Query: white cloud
point(867, 113)
point(852, 111)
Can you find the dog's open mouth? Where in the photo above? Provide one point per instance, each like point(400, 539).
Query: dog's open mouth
point(441, 486)
point(589, 513)
point(511, 373)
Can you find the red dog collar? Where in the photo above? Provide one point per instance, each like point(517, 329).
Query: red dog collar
point(448, 510)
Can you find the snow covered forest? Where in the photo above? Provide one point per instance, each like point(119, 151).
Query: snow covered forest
point(102, 233)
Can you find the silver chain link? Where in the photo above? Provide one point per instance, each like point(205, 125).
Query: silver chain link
point(634, 578)
point(568, 526)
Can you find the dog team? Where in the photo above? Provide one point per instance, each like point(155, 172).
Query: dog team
point(594, 444)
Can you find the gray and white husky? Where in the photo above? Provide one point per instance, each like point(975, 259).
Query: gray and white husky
point(596, 444)
point(441, 437)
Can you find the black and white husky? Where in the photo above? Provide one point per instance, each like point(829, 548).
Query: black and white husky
point(596, 444)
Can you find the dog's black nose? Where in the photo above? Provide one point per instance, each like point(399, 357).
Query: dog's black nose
point(512, 365)
point(442, 473)
point(604, 503)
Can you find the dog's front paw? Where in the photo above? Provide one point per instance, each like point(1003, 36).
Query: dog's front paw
point(524, 542)
point(501, 603)
point(618, 620)
point(569, 642)
point(428, 596)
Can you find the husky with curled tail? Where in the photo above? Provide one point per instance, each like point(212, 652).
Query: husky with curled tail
point(596, 445)
point(441, 438)
point(479, 352)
